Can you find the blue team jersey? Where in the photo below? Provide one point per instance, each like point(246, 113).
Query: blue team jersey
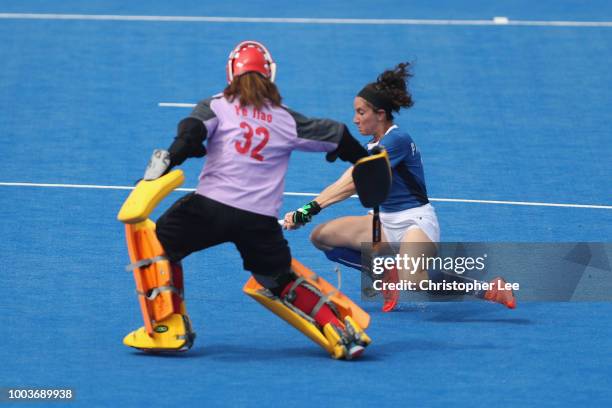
point(408, 178)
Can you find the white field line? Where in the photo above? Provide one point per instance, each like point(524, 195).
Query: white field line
point(495, 21)
point(176, 105)
point(288, 193)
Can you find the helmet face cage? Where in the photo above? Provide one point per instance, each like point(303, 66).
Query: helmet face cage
point(250, 56)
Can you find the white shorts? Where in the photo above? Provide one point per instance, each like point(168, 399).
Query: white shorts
point(396, 224)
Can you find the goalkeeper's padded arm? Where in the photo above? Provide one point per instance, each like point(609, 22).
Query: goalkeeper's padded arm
point(188, 142)
point(349, 149)
point(191, 134)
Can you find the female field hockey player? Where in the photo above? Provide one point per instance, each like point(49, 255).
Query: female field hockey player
point(248, 137)
point(407, 217)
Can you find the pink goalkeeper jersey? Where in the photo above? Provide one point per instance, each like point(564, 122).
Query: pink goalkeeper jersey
point(249, 150)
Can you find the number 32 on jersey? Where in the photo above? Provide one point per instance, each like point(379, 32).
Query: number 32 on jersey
point(244, 146)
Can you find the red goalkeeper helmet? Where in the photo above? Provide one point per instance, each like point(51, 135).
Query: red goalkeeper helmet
point(250, 56)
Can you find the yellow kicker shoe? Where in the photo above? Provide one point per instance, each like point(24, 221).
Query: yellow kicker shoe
point(171, 334)
point(347, 343)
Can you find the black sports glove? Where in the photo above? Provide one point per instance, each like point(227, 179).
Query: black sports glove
point(303, 215)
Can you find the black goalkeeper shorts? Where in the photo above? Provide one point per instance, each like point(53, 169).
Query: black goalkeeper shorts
point(196, 222)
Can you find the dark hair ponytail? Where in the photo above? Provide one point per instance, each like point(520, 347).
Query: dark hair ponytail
point(390, 91)
point(393, 82)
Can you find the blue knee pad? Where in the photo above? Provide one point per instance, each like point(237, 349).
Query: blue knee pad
point(345, 256)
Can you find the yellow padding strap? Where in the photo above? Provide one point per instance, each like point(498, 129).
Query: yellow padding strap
point(147, 195)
